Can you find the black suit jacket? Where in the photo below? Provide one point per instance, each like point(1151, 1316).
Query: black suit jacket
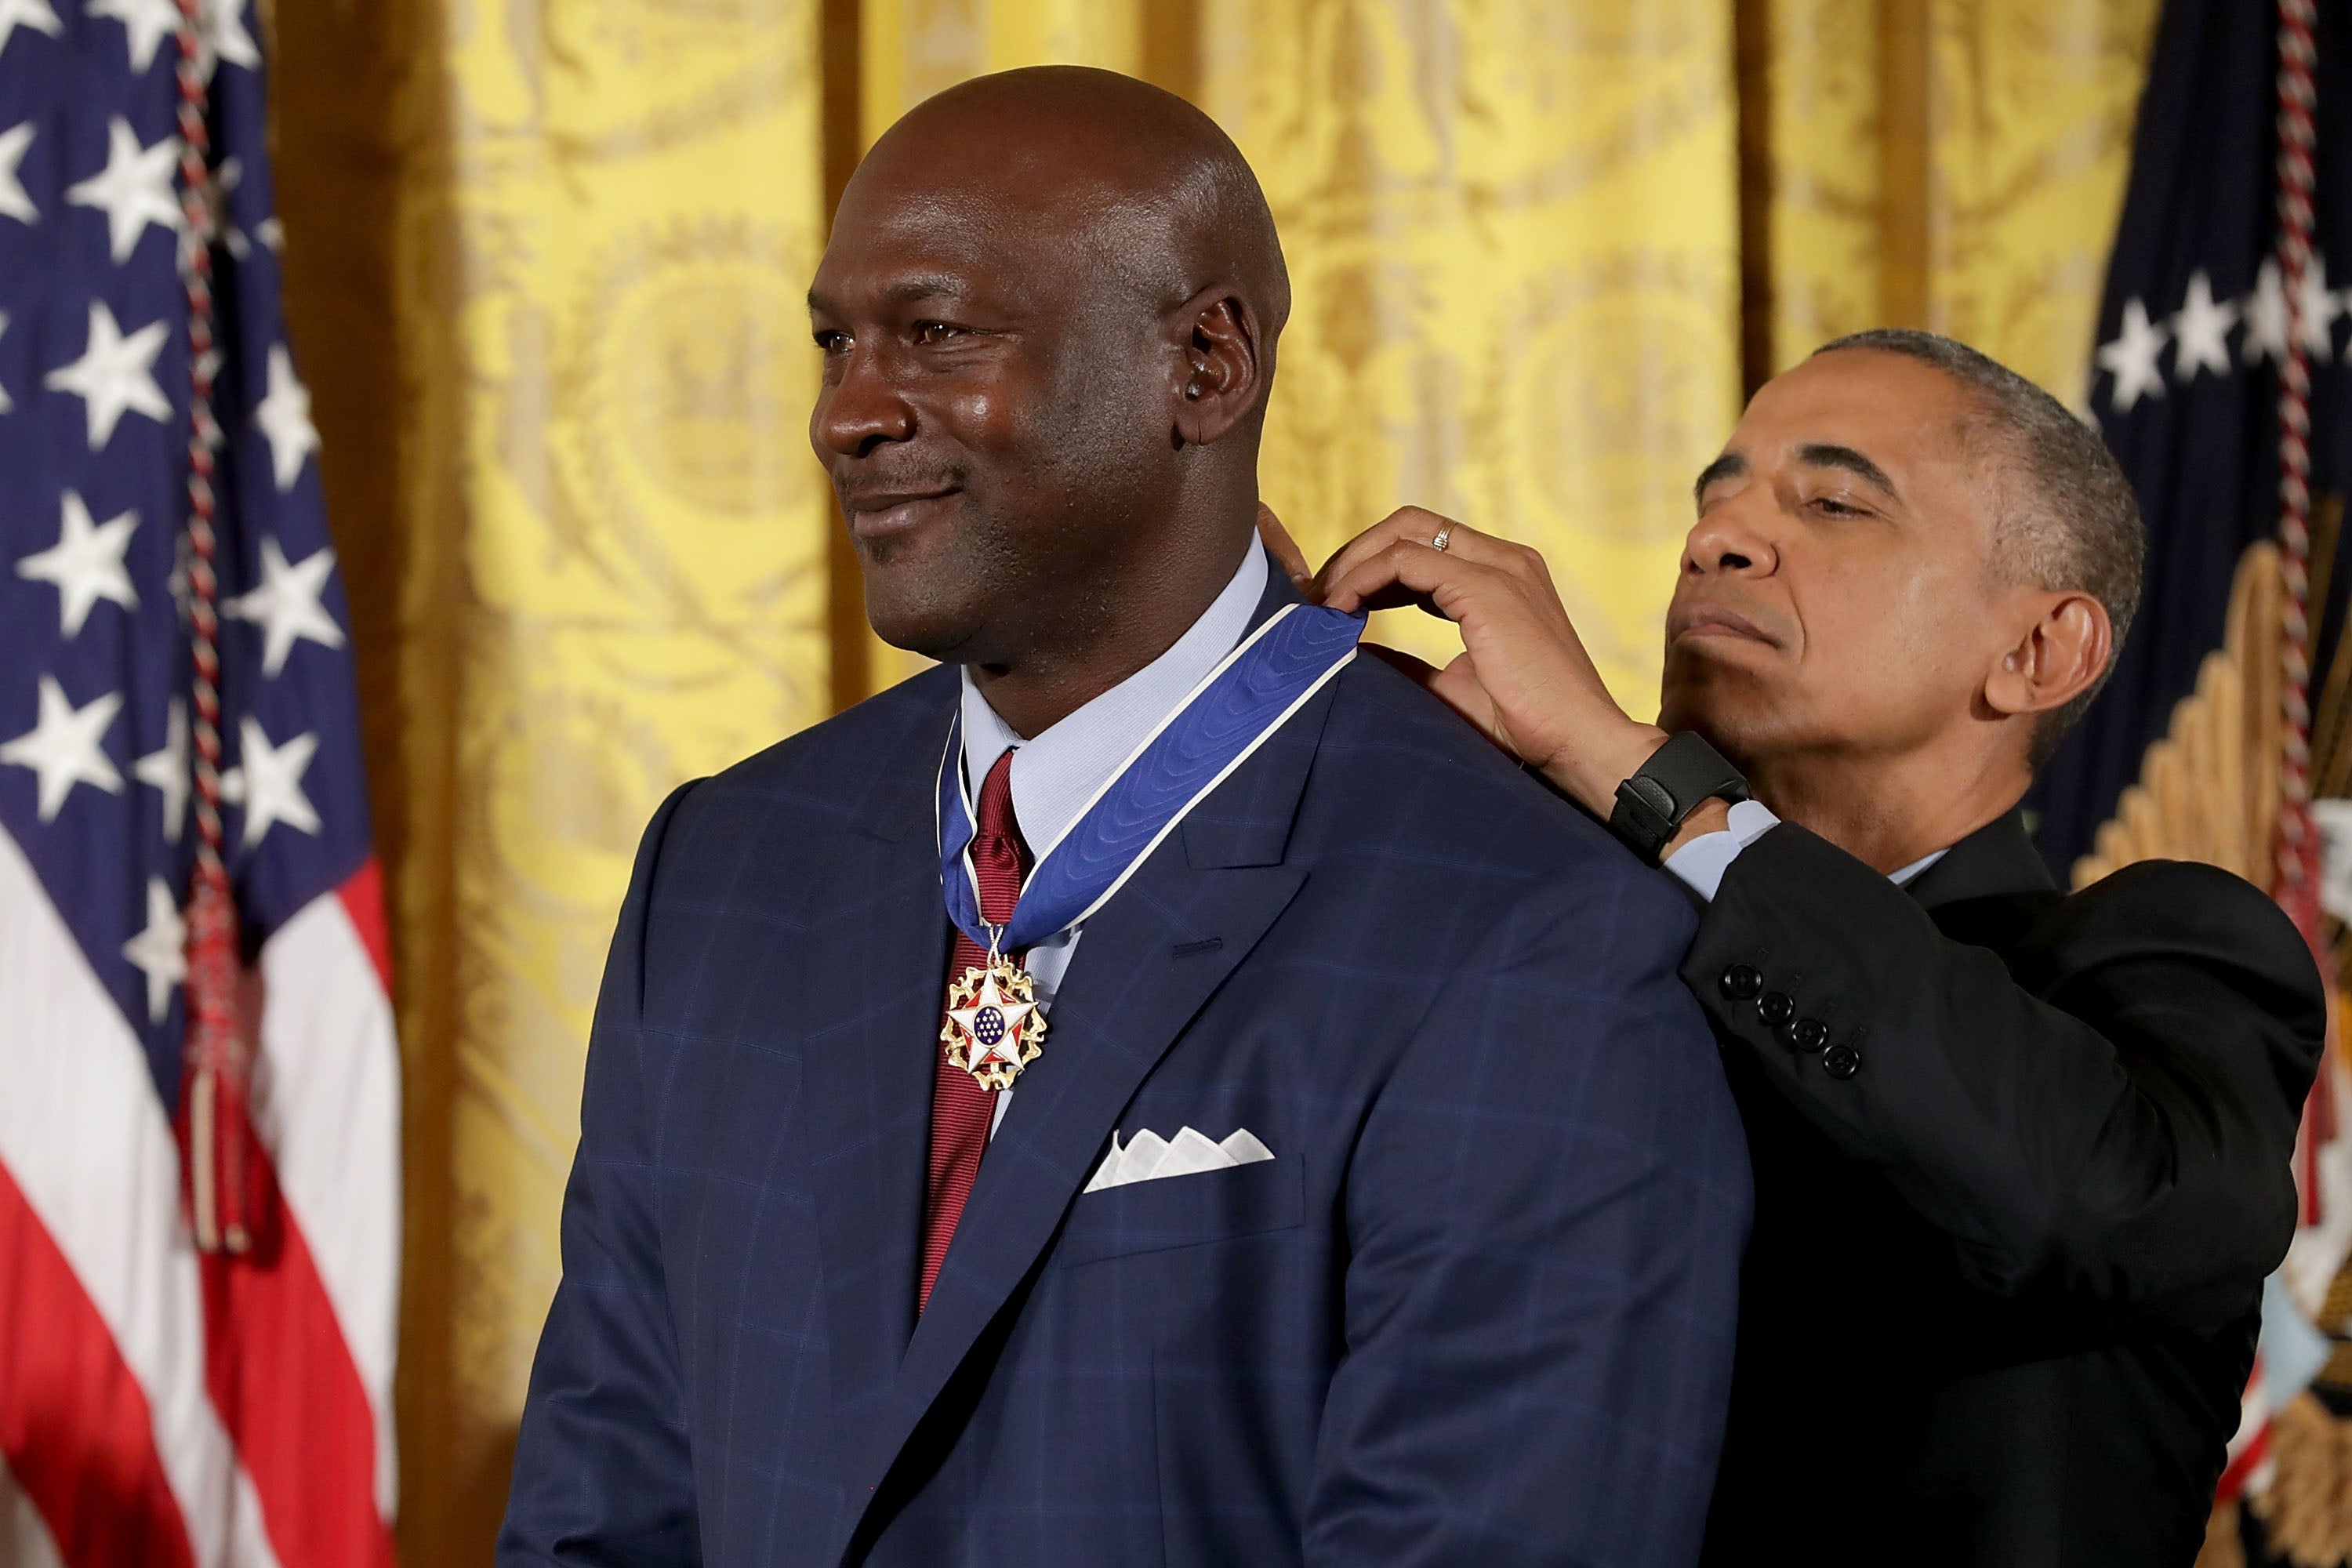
point(2022, 1161)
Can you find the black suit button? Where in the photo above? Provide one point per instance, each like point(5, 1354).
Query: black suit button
point(1775, 1009)
point(1806, 1035)
point(1741, 983)
point(1841, 1061)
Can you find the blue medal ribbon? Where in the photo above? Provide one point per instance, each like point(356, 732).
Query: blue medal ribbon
point(1228, 716)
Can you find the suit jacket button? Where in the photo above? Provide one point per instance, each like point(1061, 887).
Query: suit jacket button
point(1806, 1035)
point(1741, 983)
point(1775, 1009)
point(1841, 1061)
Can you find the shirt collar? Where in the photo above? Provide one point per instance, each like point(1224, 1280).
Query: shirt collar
point(1902, 876)
point(1057, 770)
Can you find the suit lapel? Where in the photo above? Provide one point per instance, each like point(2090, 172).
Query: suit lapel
point(1988, 890)
point(1145, 967)
point(872, 1026)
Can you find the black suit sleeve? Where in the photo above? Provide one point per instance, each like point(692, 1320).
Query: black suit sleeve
point(2108, 1117)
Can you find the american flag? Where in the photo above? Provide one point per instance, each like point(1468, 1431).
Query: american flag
point(163, 1403)
point(2217, 308)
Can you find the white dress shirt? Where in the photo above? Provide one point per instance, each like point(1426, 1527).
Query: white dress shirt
point(1702, 862)
point(1057, 770)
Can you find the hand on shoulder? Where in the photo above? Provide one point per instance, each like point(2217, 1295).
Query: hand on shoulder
point(1523, 678)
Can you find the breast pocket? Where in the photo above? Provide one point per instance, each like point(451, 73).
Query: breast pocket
point(1184, 1211)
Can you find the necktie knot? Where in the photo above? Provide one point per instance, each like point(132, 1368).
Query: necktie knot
point(999, 858)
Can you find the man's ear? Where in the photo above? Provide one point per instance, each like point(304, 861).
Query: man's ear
point(1216, 366)
point(2060, 655)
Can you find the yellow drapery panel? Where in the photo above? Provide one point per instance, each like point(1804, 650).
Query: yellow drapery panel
point(1822, 216)
point(910, 50)
point(1513, 234)
point(1955, 165)
point(545, 261)
point(607, 550)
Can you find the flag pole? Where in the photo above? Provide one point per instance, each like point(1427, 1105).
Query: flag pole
point(2295, 883)
point(215, 1128)
point(2296, 880)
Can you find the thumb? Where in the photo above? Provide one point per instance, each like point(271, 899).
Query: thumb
point(1457, 685)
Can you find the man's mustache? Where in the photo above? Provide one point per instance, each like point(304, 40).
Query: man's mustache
point(1717, 613)
point(874, 491)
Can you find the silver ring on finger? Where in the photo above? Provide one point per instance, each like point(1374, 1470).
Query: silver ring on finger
point(1443, 536)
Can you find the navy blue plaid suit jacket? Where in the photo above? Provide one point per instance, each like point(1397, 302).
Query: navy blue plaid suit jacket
point(1478, 1309)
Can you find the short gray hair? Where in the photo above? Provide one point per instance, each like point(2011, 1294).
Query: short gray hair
point(2069, 521)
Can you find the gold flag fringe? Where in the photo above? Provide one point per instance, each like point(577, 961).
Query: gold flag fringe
point(2208, 790)
point(2222, 1548)
point(2306, 1511)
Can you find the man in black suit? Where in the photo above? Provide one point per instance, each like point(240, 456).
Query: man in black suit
point(2022, 1158)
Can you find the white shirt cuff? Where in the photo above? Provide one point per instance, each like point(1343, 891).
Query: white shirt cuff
point(1702, 862)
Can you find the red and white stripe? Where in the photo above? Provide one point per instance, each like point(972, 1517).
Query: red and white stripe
point(2246, 1469)
point(23, 1535)
point(158, 1406)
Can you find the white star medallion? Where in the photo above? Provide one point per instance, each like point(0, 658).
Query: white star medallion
point(224, 37)
point(270, 783)
point(66, 746)
point(166, 771)
point(85, 565)
point(145, 24)
point(994, 1028)
point(2265, 318)
point(2201, 330)
point(133, 189)
point(14, 202)
point(2132, 358)
point(284, 417)
point(161, 951)
point(34, 13)
point(115, 375)
point(286, 605)
point(2319, 308)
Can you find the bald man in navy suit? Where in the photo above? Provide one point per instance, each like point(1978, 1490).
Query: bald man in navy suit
point(1315, 1156)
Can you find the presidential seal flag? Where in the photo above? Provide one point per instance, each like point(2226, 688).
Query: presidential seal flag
point(2198, 321)
point(2219, 379)
point(199, 1096)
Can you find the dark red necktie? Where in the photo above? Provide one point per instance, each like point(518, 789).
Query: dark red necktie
point(961, 1108)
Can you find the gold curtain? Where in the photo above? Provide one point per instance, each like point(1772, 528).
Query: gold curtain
point(1513, 233)
point(544, 265)
point(586, 550)
point(1954, 165)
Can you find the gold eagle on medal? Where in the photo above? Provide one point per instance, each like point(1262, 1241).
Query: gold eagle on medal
point(994, 1028)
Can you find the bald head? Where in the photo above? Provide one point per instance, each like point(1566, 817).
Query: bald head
point(1049, 310)
point(1149, 185)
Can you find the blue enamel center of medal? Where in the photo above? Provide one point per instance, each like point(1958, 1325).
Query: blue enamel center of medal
point(988, 1027)
point(1218, 725)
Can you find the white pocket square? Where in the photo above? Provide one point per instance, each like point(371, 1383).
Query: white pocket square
point(1149, 1157)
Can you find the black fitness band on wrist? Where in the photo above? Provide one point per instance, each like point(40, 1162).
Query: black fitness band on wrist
point(1678, 778)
